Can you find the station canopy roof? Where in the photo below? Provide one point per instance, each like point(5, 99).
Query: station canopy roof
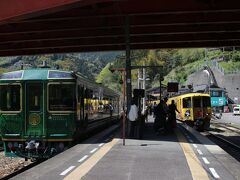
point(30, 27)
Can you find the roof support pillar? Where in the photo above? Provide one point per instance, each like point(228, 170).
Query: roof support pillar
point(128, 64)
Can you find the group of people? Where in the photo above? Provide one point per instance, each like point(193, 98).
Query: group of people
point(164, 122)
point(136, 120)
point(165, 116)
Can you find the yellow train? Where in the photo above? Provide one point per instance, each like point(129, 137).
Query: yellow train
point(194, 108)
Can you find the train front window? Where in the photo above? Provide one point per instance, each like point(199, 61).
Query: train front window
point(10, 97)
point(61, 97)
point(197, 102)
point(187, 102)
point(206, 102)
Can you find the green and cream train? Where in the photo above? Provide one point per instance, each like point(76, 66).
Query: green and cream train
point(43, 111)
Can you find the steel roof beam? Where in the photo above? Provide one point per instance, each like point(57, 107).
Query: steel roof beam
point(77, 17)
point(134, 30)
point(72, 49)
point(98, 25)
point(88, 35)
point(119, 40)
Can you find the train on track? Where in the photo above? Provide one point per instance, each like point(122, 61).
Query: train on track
point(195, 109)
point(44, 111)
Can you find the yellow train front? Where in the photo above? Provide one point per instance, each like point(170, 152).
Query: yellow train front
point(195, 109)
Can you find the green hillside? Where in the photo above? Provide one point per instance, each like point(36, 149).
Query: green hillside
point(89, 64)
point(177, 64)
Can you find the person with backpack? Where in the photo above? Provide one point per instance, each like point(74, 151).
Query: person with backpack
point(133, 116)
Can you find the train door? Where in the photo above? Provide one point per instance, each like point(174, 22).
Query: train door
point(34, 109)
point(187, 113)
point(80, 105)
point(197, 107)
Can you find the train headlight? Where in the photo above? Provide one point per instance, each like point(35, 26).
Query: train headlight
point(10, 145)
point(187, 113)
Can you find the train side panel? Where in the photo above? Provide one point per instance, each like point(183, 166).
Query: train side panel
point(44, 111)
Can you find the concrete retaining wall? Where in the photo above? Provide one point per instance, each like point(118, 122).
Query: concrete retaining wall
point(230, 82)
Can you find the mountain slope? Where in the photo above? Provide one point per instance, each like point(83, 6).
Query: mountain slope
point(89, 64)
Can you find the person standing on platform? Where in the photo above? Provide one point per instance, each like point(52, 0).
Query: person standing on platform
point(160, 117)
point(172, 114)
point(156, 115)
point(133, 116)
point(111, 109)
point(165, 115)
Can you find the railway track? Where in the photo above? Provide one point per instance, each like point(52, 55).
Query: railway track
point(227, 137)
point(15, 173)
point(226, 144)
point(227, 126)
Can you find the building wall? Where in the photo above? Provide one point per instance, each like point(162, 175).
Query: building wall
point(230, 82)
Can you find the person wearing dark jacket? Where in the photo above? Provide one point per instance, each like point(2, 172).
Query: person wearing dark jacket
point(172, 114)
point(160, 116)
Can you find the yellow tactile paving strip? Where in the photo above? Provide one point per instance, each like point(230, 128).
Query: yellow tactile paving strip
point(197, 170)
point(84, 168)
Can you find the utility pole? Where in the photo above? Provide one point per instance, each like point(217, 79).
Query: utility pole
point(160, 96)
point(128, 64)
point(123, 76)
point(144, 87)
point(160, 80)
point(139, 81)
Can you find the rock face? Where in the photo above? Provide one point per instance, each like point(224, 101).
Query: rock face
point(231, 82)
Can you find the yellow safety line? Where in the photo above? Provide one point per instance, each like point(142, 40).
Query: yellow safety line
point(84, 168)
point(196, 168)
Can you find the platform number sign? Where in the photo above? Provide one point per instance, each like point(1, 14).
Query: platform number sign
point(172, 87)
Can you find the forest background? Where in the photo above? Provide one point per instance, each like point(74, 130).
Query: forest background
point(177, 64)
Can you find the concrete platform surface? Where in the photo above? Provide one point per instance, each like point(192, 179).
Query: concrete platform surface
point(183, 154)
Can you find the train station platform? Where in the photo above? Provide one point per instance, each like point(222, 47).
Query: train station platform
point(184, 154)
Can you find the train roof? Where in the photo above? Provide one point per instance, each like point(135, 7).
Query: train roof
point(51, 74)
point(191, 95)
point(37, 74)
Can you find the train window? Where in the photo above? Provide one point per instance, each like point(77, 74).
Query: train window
point(206, 102)
point(59, 74)
point(197, 101)
point(34, 94)
point(62, 97)
point(10, 97)
point(187, 102)
point(12, 75)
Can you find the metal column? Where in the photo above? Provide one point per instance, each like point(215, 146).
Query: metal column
point(128, 64)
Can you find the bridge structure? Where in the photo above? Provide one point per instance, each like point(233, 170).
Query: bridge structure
point(60, 26)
